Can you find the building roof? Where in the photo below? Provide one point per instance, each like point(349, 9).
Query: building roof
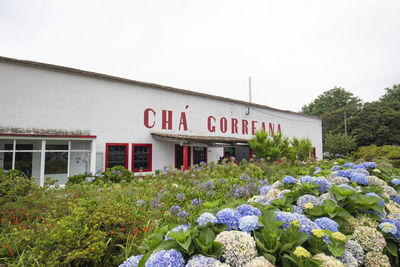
point(199, 140)
point(90, 74)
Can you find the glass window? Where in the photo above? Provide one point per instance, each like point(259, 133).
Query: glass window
point(56, 163)
point(117, 154)
point(79, 163)
point(6, 144)
point(28, 163)
point(142, 156)
point(179, 156)
point(29, 144)
point(199, 154)
point(56, 145)
point(81, 145)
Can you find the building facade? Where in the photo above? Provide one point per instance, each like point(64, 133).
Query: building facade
point(57, 121)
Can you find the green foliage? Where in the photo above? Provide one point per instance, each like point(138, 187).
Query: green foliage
point(330, 101)
point(277, 146)
point(14, 184)
point(377, 124)
point(334, 121)
point(270, 148)
point(339, 144)
point(392, 97)
point(373, 152)
point(331, 210)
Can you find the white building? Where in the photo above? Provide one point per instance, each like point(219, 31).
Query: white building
point(57, 121)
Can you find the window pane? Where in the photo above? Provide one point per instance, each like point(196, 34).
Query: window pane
point(28, 163)
point(6, 160)
point(199, 155)
point(99, 162)
point(141, 158)
point(81, 145)
point(56, 165)
point(56, 145)
point(80, 163)
point(29, 144)
point(6, 144)
point(116, 156)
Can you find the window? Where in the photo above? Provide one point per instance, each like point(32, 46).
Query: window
point(199, 155)
point(141, 157)
point(116, 155)
point(179, 156)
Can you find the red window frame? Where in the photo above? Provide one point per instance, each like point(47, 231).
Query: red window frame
point(189, 157)
point(205, 155)
point(150, 157)
point(126, 152)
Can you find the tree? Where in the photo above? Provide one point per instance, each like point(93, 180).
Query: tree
point(339, 143)
point(392, 97)
point(376, 123)
point(303, 147)
point(330, 101)
point(334, 121)
point(269, 148)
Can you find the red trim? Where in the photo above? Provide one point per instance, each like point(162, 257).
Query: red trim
point(250, 153)
point(205, 155)
point(150, 157)
point(49, 135)
point(189, 157)
point(314, 151)
point(126, 152)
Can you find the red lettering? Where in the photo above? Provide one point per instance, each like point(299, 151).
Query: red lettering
point(263, 126)
point(234, 126)
point(211, 128)
point(244, 127)
point(253, 127)
point(271, 130)
point(279, 128)
point(166, 122)
point(182, 121)
point(223, 123)
point(146, 117)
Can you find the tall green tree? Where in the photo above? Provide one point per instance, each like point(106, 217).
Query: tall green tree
point(339, 143)
point(330, 101)
point(392, 97)
point(375, 123)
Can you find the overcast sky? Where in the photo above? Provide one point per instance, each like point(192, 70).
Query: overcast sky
point(293, 50)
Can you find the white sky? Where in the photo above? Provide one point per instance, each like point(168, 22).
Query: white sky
point(293, 50)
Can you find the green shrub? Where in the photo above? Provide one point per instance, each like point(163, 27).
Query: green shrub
point(373, 152)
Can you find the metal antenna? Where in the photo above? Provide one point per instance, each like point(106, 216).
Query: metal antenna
point(248, 107)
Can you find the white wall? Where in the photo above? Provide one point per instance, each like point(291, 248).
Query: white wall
point(114, 111)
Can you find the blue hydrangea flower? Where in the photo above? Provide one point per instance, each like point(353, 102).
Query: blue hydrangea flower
point(306, 179)
point(183, 214)
point(306, 225)
point(185, 227)
point(335, 168)
point(282, 193)
point(317, 170)
point(245, 177)
point(396, 199)
point(356, 250)
point(205, 218)
point(323, 183)
point(132, 261)
point(201, 260)
point(285, 217)
point(240, 192)
point(229, 217)
point(155, 203)
point(368, 165)
point(359, 178)
point(289, 180)
point(395, 181)
point(388, 228)
point(394, 233)
point(248, 223)
point(196, 202)
point(345, 173)
point(363, 171)
point(208, 186)
point(304, 199)
point(381, 203)
point(327, 224)
point(90, 179)
point(349, 165)
point(140, 203)
point(360, 166)
point(264, 190)
point(297, 209)
point(175, 209)
point(180, 196)
point(167, 258)
point(247, 210)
